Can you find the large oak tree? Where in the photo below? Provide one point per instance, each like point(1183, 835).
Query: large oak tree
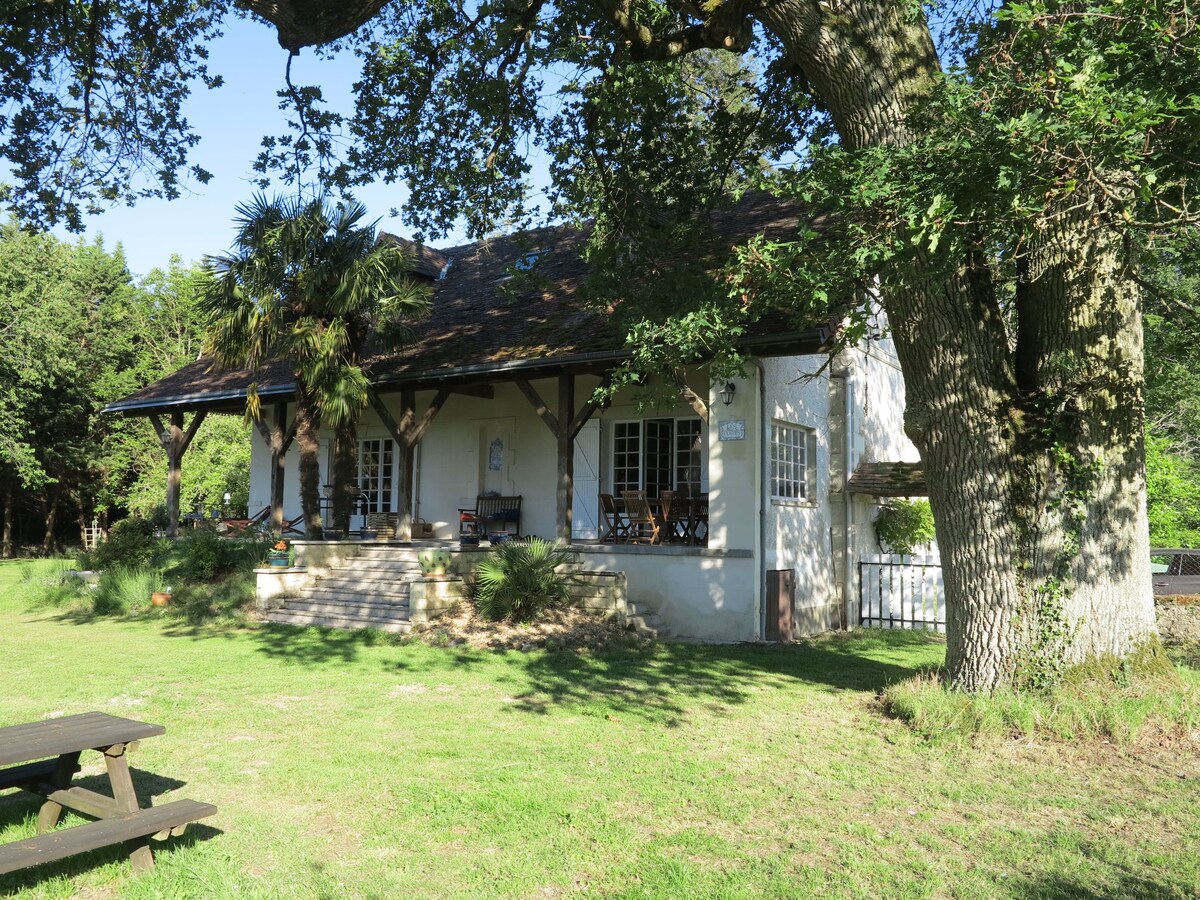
point(993, 208)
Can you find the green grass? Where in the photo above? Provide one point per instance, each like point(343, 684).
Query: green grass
point(352, 766)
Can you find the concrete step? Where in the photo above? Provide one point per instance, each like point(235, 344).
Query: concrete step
point(378, 567)
point(326, 606)
point(648, 626)
point(348, 623)
point(359, 597)
point(354, 581)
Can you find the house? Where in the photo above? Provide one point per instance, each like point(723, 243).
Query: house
point(496, 396)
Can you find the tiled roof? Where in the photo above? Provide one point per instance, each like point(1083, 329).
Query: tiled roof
point(485, 323)
point(889, 479)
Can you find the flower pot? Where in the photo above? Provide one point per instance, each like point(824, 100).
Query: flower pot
point(434, 563)
point(498, 537)
point(280, 561)
point(332, 534)
point(368, 534)
point(468, 541)
point(160, 598)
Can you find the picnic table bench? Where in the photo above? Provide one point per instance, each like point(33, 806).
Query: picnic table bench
point(43, 757)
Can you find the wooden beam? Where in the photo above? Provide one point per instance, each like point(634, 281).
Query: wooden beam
point(418, 430)
point(386, 417)
point(407, 433)
point(565, 494)
point(588, 409)
point(483, 391)
point(186, 441)
point(539, 405)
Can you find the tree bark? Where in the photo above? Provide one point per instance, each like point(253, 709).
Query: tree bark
point(1036, 483)
point(308, 446)
point(6, 539)
point(50, 508)
point(345, 466)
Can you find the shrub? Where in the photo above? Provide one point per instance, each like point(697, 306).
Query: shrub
point(125, 590)
point(131, 543)
point(51, 583)
point(903, 525)
point(203, 555)
point(518, 579)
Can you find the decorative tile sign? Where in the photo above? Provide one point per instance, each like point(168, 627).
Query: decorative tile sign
point(496, 455)
point(733, 430)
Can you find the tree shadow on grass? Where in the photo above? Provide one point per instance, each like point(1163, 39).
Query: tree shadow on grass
point(1128, 884)
point(662, 682)
point(23, 807)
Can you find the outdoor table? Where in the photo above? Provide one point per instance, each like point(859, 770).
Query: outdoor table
point(43, 757)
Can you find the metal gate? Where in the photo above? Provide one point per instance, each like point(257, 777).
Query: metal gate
point(901, 592)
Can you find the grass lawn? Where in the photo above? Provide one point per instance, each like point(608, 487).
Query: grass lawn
point(349, 766)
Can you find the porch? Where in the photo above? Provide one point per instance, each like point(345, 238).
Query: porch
point(692, 593)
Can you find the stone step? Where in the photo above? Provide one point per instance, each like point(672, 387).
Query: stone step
point(327, 606)
point(647, 626)
point(348, 623)
point(354, 595)
point(353, 581)
point(380, 566)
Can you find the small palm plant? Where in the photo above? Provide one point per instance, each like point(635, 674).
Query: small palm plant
point(519, 579)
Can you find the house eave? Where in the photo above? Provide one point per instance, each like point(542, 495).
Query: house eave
point(811, 341)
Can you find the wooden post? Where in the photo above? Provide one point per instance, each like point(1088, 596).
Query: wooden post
point(278, 437)
point(565, 427)
point(407, 433)
point(566, 457)
point(175, 442)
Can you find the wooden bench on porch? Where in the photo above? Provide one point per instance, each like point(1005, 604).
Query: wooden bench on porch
point(490, 513)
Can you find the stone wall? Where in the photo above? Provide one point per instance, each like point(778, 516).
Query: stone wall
point(1178, 622)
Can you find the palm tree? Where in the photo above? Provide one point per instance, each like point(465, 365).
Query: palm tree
point(306, 284)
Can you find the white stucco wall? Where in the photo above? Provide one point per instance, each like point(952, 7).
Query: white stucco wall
point(877, 413)
point(797, 531)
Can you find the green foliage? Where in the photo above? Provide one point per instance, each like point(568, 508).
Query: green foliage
point(1045, 635)
point(131, 543)
point(904, 525)
point(305, 285)
point(126, 590)
point(110, 71)
point(50, 583)
point(202, 555)
point(1172, 494)
point(519, 579)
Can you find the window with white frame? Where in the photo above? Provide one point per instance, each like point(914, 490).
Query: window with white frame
point(375, 458)
point(793, 451)
point(656, 455)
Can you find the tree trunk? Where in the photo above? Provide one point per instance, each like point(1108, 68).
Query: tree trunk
point(1035, 480)
point(308, 448)
point(49, 544)
point(6, 540)
point(345, 469)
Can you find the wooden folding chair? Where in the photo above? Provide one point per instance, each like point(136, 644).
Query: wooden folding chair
point(616, 529)
point(676, 521)
point(642, 522)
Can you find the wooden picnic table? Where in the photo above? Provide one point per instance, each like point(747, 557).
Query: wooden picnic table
point(43, 757)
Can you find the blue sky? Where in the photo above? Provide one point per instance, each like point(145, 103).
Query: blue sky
point(231, 122)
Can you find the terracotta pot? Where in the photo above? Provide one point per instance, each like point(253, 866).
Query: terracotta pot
point(159, 598)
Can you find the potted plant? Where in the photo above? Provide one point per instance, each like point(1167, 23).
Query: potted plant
point(279, 556)
point(434, 562)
